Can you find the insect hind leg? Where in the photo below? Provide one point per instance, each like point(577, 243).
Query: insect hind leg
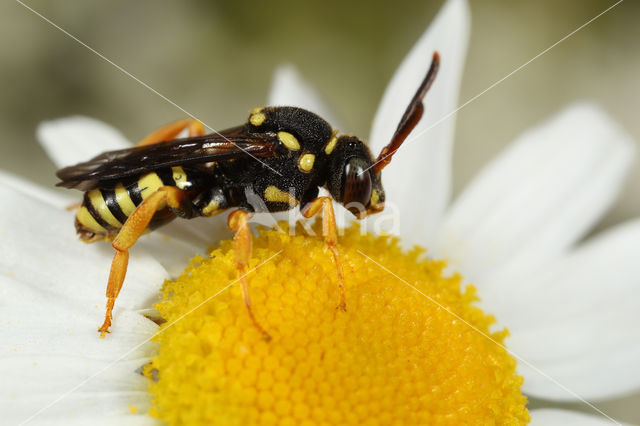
point(166, 196)
point(172, 130)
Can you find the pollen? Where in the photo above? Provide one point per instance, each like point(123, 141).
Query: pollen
point(395, 356)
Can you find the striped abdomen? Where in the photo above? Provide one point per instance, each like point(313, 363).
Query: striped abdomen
point(105, 210)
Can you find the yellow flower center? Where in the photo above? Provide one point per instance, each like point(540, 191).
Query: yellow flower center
point(394, 357)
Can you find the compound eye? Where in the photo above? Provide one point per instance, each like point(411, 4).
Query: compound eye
point(356, 185)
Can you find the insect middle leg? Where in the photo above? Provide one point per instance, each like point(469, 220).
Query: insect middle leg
point(172, 130)
point(127, 237)
point(330, 233)
point(238, 221)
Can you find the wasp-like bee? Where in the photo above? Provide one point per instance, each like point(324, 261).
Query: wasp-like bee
point(281, 157)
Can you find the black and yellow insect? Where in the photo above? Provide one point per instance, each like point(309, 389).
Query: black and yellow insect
point(277, 160)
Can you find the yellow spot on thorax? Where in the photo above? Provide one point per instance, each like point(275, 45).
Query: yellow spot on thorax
point(179, 177)
point(257, 117)
point(289, 141)
point(276, 195)
point(328, 149)
point(97, 201)
point(375, 198)
point(394, 356)
point(305, 162)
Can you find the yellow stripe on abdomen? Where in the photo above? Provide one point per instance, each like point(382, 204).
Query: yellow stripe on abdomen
point(100, 206)
point(180, 177)
point(87, 221)
point(124, 200)
point(149, 184)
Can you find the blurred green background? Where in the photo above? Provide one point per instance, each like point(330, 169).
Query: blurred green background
point(215, 59)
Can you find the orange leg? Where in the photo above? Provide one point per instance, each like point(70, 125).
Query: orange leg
point(172, 130)
point(73, 207)
point(238, 221)
point(127, 237)
point(330, 237)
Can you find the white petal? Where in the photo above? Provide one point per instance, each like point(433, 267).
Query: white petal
point(202, 232)
point(49, 196)
point(174, 244)
point(554, 417)
point(107, 419)
point(578, 319)
point(538, 197)
point(418, 180)
point(75, 139)
point(290, 89)
point(45, 324)
point(51, 303)
point(40, 249)
point(31, 383)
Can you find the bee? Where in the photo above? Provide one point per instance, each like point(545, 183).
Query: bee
point(281, 157)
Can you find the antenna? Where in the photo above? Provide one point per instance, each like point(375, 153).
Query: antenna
point(411, 116)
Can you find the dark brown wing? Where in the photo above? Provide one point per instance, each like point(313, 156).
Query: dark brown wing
point(114, 165)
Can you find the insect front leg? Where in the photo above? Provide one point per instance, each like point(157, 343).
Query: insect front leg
point(330, 233)
point(172, 130)
point(238, 221)
point(127, 237)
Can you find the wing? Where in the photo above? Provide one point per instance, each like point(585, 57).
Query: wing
point(230, 144)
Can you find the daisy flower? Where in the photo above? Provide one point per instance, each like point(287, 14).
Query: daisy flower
point(515, 233)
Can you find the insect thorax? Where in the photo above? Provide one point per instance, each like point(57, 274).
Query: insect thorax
point(294, 175)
